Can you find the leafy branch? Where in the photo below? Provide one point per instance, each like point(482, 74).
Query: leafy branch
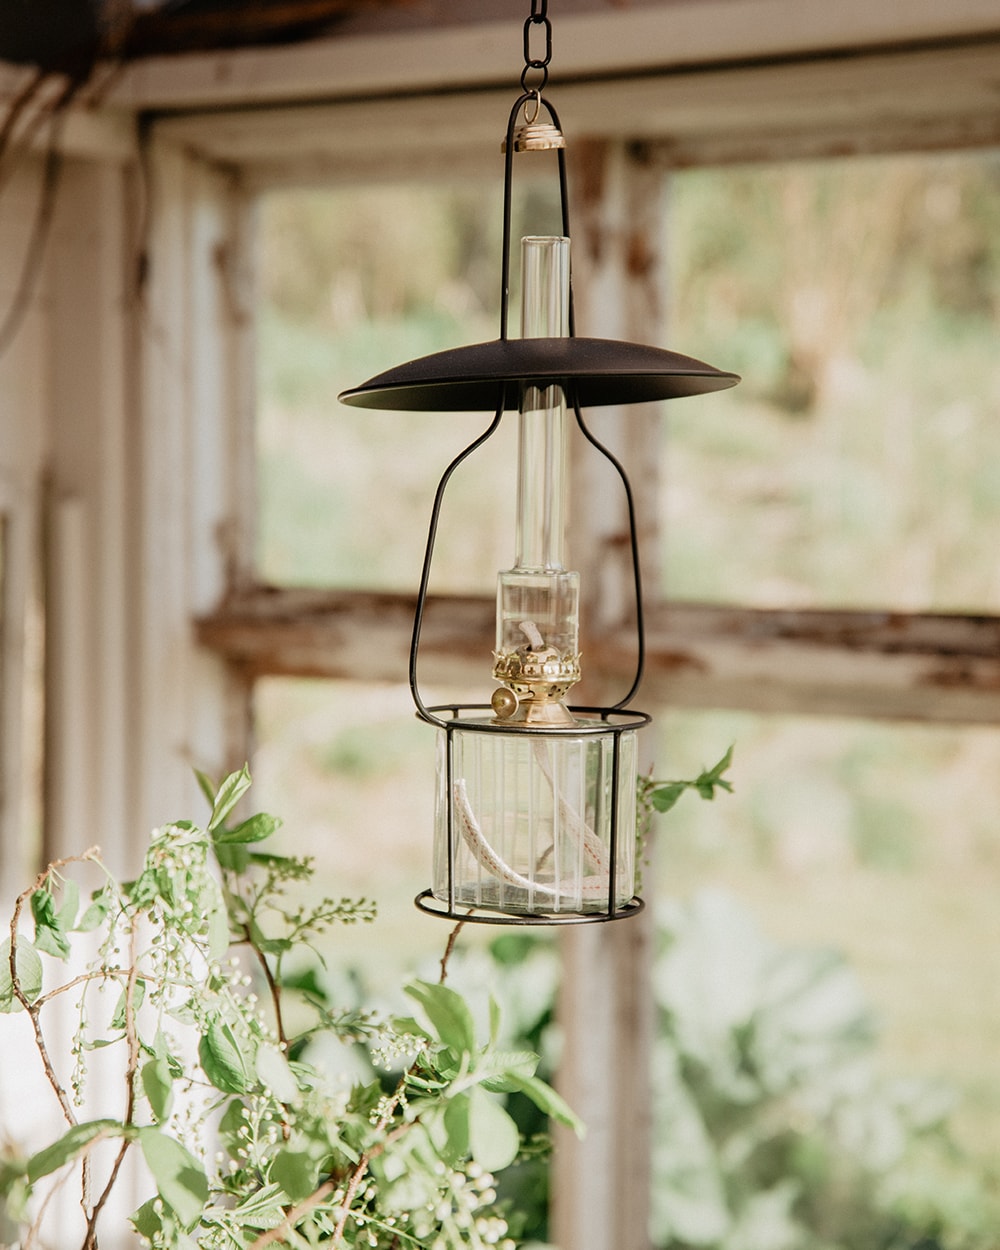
point(661, 796)
point(249, 1142)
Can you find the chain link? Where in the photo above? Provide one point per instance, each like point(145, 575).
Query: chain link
point(540, 64)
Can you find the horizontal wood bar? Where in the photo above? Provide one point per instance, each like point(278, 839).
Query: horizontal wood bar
point(925, 667)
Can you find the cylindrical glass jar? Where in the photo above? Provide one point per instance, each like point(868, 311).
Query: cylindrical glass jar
point(537, 820)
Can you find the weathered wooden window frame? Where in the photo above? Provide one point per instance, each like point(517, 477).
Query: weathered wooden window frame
point(929, 666)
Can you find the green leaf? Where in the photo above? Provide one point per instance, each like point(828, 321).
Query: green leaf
point(665, 794)
point(179, 1176)
point(206, 785)
point(254, 829)
point(228, 795)
point(714, 775)
point(118, 1020)
point(296, 1173)
point(497, 1068)
point(29, 974)
point(547, 1100)
point(49, 936)
point(409, 1027)
point(261, 1209)
point(65, 1148)
point(70, 905)
point(493, 1137)
point(234, 857)
point(231, 1122)
point(455, 1122)
point(100, 1043)
point(664, 797)
point(448, 1013)
point(222, 1060)
point(94, 915)
point(275, 1074)
point(158, 1084)
point(146, 1220)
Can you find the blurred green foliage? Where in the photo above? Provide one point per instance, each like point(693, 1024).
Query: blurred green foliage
point(776, 1126)
point(853, 467)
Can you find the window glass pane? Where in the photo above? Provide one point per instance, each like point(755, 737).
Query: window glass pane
point(855, 464)
point(879, 841)
point(350, 771)
point(354, 282)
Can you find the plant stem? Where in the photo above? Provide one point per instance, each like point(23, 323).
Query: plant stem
point(272, 984)
point(448, 950)
point(131, 1068)
point(34, 1008)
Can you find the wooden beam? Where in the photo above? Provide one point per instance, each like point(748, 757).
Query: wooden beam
point(916, 100)
point(432, 55)
point(925, 667)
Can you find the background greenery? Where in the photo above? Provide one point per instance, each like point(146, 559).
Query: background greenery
point(854, 467)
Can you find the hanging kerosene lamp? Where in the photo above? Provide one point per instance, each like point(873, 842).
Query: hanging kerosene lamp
point(535, 819)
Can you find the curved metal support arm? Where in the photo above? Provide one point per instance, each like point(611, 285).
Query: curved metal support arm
point(425, 572)
point(640, 627)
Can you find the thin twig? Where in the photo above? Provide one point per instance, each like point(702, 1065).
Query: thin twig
point(82, 979)
point(41, 228)
point(132, 1041)
point(17, 106)
point(34, 1008)
point(448, 950)
point(273, 1235)
point(272, 985)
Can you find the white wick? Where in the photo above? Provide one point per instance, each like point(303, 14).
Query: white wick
point(533, 634)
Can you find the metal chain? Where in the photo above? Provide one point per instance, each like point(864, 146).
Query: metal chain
point(540, 64)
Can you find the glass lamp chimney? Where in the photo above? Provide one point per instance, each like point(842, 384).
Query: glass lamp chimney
point(537, 647)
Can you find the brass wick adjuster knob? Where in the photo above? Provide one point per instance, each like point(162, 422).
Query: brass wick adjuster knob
point(504, 702)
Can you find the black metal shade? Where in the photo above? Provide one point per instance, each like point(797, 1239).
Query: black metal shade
point(484, 376)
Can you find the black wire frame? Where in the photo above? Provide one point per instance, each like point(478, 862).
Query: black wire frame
point(504, 399)
point(616, 719)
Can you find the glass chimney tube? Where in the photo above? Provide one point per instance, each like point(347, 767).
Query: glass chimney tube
point(537, 651)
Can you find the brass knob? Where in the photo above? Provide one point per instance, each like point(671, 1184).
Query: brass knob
point(504, 702)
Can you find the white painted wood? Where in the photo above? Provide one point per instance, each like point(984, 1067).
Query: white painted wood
point(130, 424)
point(67, 414)
point(142, 404)
point(87, 621)
point(188, 712)
point(920, 99)
point(622, 42)
point(23, 394)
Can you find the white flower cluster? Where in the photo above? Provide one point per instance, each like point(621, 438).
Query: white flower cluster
point(392, 1050)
